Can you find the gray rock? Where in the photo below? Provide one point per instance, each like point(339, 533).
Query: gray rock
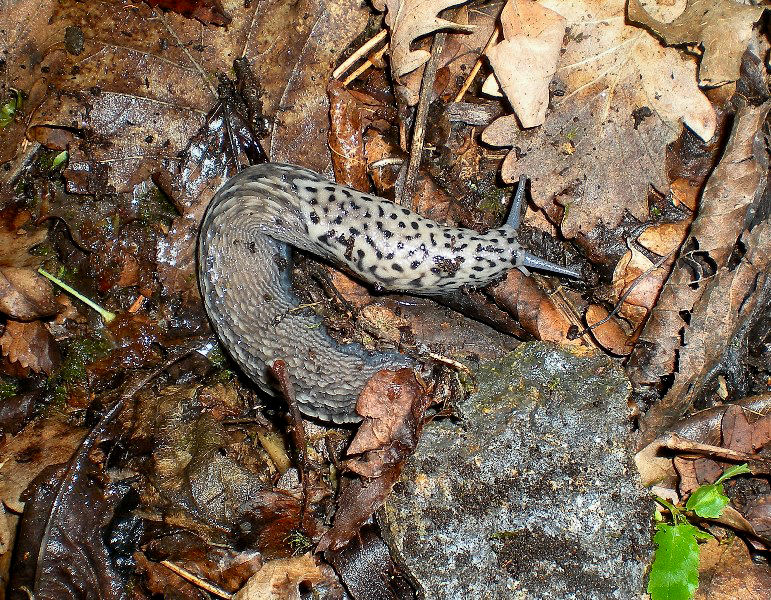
point(534, 494)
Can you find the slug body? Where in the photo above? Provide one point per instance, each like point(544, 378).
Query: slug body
point(244, 254)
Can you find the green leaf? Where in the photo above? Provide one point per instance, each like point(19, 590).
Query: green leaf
point(733, 472)
point(675, 571)
point(59, 159)
point(708, 501)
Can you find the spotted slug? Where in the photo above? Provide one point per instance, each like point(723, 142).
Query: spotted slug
point(244, 254)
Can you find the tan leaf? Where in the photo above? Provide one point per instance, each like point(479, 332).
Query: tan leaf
point(526, 60)
point(280, 579)
point(593, 155)
point(411, 19)
point(609, 335)
point(723, 28)
point(727, 572)
point(31, 345)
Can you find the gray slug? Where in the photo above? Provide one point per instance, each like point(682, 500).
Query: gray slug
point(243, 268)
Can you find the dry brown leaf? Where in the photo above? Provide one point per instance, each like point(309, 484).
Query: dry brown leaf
point(609, 335)
point(535, 310)
point(280, 579)
point(727, 572)
point(526, 60)
point(411, 19)
point(642, 298)
point(664, 238)
point(31, 345)
point(592, 156)
point(723, 28)
point(715, 296)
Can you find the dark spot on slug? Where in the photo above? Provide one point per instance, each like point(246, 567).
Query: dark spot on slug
point(361, 253)
point(338, 220)
point(433, 241)
point(400, 245)
point(414, 264)
point(369, 241)
point(402, 225)
point(397, 267)
point(414, 225)
point(354, 231)
point(405, 211)
point(390, 256)
point(387, 234)
point(478, 269)
point(392, 216)
point(435, 271)
point(380, 211)
point(379, 225)
point(330, 188)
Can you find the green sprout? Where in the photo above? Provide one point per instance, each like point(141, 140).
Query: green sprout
point(106, 315)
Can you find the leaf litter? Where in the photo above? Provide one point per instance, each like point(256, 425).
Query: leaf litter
point(656, 185)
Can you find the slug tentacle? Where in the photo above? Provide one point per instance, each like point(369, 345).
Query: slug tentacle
point(243, 269)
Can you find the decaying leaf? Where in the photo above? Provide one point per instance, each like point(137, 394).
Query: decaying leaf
point(280, 579)
point(23, 293)
point(723, 28)
point(707, 297)
point(727, 572)
point(526, 60)
point(411, 19)
point(31, 345)
point(393, 404)
point(593, 159)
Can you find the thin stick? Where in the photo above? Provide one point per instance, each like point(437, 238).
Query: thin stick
point(197, 581)
point(366, 65)
point(363, 49)
point(419, 129)
point(477, 65)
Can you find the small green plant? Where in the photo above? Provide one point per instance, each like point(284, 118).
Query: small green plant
point(675, 571)
point(9, 109)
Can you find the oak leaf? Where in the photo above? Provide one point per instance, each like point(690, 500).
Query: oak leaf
point(618, 100)
point(409, 20)
point(723, 28)
point(526, 60)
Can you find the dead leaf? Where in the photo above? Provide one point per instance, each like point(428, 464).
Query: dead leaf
point(526, 60)
point(706, 297)
point(727, 572)
point(723, 28)
point(535, 310)
point(609, 335)
point(31, 345)
point(206, 11)
point(280, 579)
point(409, 20)
point(393, 404)
point(609, 159)
point(632, 270)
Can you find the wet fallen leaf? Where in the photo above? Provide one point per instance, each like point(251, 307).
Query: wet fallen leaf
point(366, 567)
point(609, 158)
point(206, 11)
point(633, 270)
point(723, 29)
point(411, 19)
point(281, 579)
point(393, 404)
point(526, 60)
point(31, 345)
point(62, 551)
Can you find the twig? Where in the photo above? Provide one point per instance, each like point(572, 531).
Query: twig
point(477, 65)
point(298, 428)
point(366, 65)
point(362, 50)
point(419, 130)
point(106, 315)
point(197, 581)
